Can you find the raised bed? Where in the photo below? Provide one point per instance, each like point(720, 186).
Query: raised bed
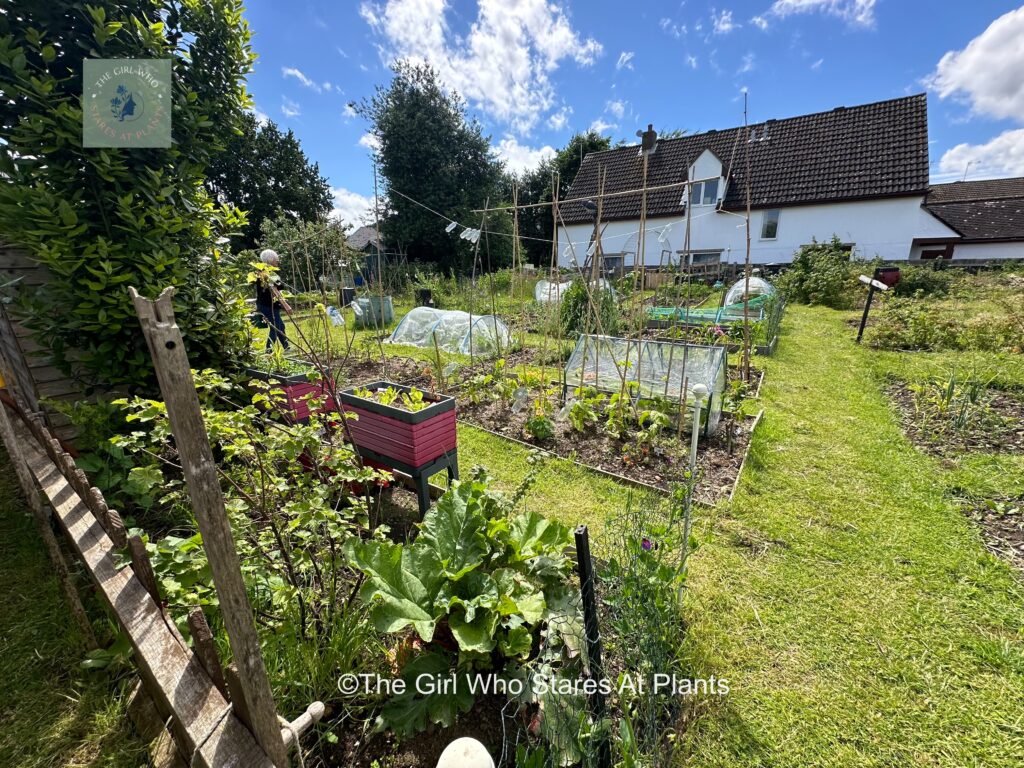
point(418, 443)
point(297, 390)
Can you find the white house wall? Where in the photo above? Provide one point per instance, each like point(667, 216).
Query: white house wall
point(883, 228)
point(988, 251)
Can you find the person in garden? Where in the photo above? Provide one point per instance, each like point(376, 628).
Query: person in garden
point(269, 301)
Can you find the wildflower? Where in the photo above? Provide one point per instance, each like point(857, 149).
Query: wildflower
point(646, 544)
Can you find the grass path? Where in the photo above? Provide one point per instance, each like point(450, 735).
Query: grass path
point(850, 604)
point(52, 713)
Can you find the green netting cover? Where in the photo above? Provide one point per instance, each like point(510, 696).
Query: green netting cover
point(730, 313)
point(454, 330)
point(659, 368)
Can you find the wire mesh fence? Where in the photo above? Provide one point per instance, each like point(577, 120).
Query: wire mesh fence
point(605, 689)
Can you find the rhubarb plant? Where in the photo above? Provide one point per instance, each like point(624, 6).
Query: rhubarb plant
point(477, 586)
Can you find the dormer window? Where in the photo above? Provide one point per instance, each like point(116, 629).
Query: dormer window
point(704, 192)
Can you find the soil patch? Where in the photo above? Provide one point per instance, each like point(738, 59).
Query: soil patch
point(718, 458)
point(996, 427)
point(1002, 528)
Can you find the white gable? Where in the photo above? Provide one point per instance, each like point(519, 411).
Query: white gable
point(706, 166)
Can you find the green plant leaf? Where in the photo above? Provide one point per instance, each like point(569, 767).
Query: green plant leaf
point(402, 585)
point(455, 528)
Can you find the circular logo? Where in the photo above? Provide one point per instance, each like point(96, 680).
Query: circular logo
point(128, 104)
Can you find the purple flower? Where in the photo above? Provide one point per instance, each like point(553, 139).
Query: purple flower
point(647, 544)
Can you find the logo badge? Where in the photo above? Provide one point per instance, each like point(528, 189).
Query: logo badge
point(126, 103)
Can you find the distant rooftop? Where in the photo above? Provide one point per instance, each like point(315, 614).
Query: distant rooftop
point(848, 153)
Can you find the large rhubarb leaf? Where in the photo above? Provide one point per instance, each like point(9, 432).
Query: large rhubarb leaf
point(454, 529)
point(402, 584)
point(532, 535)
point(431, 695)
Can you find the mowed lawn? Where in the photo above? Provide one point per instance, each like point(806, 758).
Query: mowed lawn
point(849, 602)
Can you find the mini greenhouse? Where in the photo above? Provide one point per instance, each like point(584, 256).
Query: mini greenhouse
point(758, 287)
point(453, 331)
point(547, 292)
point(653, 368)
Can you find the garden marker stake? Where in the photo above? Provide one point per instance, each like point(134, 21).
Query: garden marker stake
point(872, 285)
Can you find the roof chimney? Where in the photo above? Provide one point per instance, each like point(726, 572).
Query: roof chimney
point(648, 139)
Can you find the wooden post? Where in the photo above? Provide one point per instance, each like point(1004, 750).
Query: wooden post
point(179, 392)
point(205, 649)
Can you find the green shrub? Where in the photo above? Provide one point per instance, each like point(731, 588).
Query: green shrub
point(577, 315)
point(101, 220)
point(925, 281)
point(821, 273)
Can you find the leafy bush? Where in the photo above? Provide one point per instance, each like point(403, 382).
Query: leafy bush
point(925, 281)
point(577, 316)
point(821, 273)
point(909, 324)
point(476, 586)
point(101, 220)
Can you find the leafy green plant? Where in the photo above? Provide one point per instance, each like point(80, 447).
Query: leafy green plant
point(476, 585)
point(585, 409)
point(821, 273)
point(291, 496)
point(576, 315)
point(101, 220)
point(539, 426)
point(414, 400)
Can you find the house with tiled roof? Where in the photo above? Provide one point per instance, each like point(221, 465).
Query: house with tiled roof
point(859, 173)
point(987, 216)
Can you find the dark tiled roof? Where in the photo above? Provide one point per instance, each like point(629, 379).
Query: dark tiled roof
point(874, 150)
point(992, 189)
point(984, 219)
point(361, 238)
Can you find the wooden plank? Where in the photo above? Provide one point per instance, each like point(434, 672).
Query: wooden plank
point(179, 393)
point(201, 719)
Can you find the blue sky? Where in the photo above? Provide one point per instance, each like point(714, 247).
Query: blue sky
point(535, 71)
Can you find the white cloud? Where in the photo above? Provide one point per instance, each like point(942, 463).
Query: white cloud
point(519, 157)
point(369, 141)
point(261, 117)
point(1002, 156)
point(502, 66)
point(721, 22)
point(817, 65)
point(855, 12)
point(302, 78)
point(669, 26)
point(617, 108)
point(747, 64)
point(760, 22)
point(692, 61)
point(987, 74)
point(560, 119)
point(351, 207)
point(625, 60)
point(348, 112)
point(601, 126)
point(290, 108)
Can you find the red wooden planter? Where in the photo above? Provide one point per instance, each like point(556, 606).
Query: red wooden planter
point(297, 388)
point(408, 440)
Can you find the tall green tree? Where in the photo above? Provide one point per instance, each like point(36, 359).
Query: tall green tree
point(104, 219)
point(535, 224)
point(263, 171)
point(431, 151)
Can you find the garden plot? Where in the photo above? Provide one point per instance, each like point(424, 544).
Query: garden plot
point(949, 417)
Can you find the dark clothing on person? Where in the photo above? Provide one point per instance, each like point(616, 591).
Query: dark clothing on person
point(269, 305)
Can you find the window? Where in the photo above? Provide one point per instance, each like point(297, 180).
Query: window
point(770, 225)
point(704, 192)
